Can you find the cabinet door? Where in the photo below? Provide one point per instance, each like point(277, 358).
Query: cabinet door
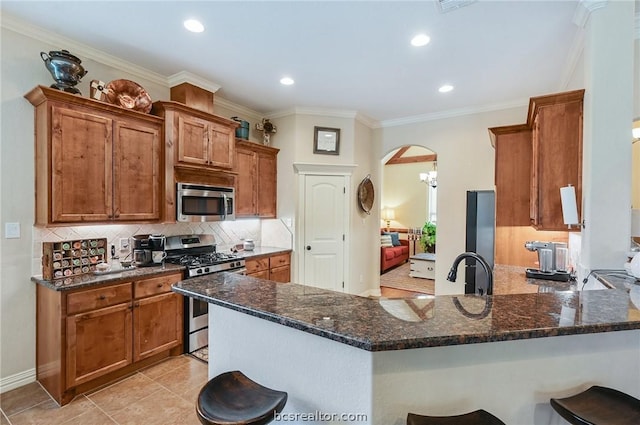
point(193, 139)
point(558, 152)
point(280, 274)
point(221, 145)
point(513, 178)
point(246, 190)
point(267, 185)
point(264, 274)
point(81, 175)
point(98, 342)
point(137, 172)
point(157, 324)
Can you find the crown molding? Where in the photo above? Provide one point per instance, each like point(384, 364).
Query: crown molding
point(79, 49)
point(241, 110)
point(575, 52)
point(584, 9)
point(323, 112)
point(453, 113)
point(196, 80)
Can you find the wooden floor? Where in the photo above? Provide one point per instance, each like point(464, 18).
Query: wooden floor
point(398, 279)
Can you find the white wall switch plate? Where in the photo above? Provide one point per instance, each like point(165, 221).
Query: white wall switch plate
point(124, 244)
point(12, 230)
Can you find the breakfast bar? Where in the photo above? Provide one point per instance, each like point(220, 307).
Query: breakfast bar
point(372, 360)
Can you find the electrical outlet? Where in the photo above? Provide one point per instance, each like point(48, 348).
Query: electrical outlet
point(124, 244)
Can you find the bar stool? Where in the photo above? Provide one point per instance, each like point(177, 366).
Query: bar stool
point(599, 406)
point(478, 417)
point(233, 399)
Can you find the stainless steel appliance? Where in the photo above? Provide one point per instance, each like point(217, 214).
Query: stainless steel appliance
point(196, 202)
point(158, 254)
point(142, 251)
point(549, 266)
point(198, 254)
point(480, 238)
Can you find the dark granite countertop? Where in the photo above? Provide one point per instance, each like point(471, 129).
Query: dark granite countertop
point(91, 279)
point(260, 251)
point(380, 324)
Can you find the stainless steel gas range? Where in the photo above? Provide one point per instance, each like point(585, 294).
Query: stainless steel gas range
point(198, 254)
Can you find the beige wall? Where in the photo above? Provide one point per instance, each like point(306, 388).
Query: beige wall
point(465, 162)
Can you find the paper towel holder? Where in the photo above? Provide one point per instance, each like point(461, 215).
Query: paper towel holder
point(569, 206)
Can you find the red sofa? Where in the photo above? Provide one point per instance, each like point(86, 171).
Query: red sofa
point(393, 255)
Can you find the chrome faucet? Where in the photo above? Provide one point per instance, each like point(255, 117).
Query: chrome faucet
point(453, 273)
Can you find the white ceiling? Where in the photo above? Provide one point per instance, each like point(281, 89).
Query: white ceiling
point(344, 55)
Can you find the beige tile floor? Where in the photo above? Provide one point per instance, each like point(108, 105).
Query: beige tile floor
point(162, 394)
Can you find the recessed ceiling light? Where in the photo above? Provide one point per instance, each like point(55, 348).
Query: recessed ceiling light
point(287, 81)
point(193, 25)
point(420, 40)
point(446, 88)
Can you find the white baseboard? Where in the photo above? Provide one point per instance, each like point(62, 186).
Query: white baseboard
point(19, 379)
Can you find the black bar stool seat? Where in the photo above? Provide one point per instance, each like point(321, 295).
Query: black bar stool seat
point(478, 417)
point(599, 406)
point(233, 399)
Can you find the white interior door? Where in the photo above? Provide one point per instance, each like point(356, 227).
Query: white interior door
point(324, 231)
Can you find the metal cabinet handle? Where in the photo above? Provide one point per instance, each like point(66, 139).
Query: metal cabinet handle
point(308, 247)
point(102, 297)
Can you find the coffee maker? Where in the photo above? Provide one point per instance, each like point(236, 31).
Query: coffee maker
point(141, 251)
point(552, 259)
point(156, 243)
point(148, 250)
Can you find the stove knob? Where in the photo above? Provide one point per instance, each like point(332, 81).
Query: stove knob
point(199, 271)
point(206, 269)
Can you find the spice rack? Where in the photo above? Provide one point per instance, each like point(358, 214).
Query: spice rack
point(72, 258)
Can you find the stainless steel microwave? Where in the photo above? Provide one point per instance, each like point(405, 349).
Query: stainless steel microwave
point(196, 202)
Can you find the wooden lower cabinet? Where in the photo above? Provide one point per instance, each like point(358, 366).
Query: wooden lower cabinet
point(98, 342)
point(88, 337)
point(275, 267)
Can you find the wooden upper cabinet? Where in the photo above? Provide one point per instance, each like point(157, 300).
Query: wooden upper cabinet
point(137, 171)
point(256, 182)
point(512, 174)
point(199, 139)
point(95, 162)
point(81, 172)
point(556, 122)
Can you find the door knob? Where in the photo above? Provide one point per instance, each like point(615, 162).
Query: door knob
point(308, 247)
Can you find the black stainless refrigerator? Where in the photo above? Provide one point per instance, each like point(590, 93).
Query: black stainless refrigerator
point(480, 236)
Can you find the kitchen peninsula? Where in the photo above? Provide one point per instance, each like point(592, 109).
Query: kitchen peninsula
point(382, 358)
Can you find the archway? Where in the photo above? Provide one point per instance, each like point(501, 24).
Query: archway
point(408, 202)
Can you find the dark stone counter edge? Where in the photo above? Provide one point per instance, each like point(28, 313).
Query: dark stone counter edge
point(88, 280)
point(438, 341)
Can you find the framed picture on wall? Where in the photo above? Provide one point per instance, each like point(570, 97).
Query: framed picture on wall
point(326, 140)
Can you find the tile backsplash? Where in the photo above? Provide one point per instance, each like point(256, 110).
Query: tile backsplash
point(227, 234)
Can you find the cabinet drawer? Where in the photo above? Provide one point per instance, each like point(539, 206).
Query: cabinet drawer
point(257, 265)
point(280, 260)
point(92, 299)
point(156, 285)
